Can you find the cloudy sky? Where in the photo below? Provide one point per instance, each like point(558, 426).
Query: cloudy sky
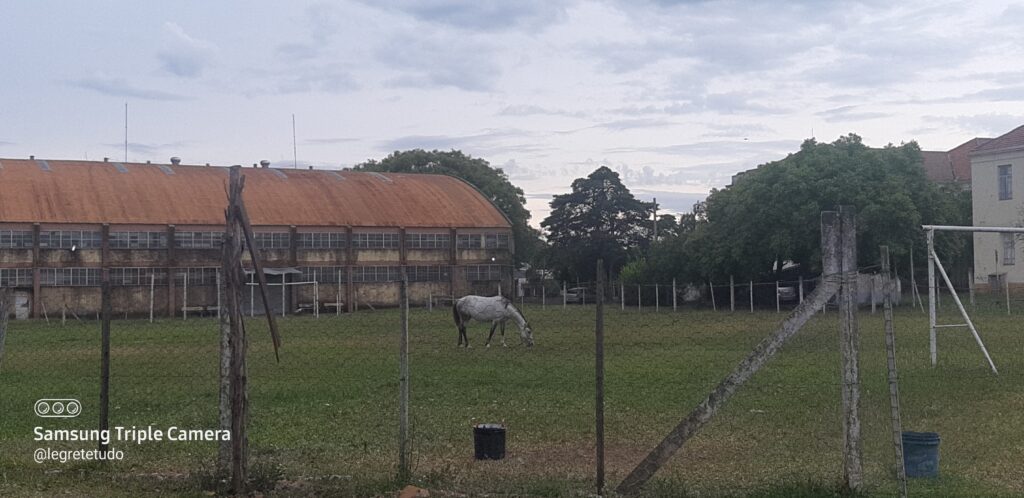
point(675, 95)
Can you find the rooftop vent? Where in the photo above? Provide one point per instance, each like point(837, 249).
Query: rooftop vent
point(265, 163)
point(105, 159)
point(175, 160)
point(32, 158)
point(311, 167)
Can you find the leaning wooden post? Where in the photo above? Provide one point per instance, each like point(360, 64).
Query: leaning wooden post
point(622, 294)
point(849, 344)
point(599, 378)
point(894, 389)
point(751, 296)
point(105, 359)
point(801, 283)
point(778, 307)
point(1006, 287)
point(711, 286)
point(657, 299)
point(639, 306)
point(932, 294)
point(404, 449)
point(674, 300)
point(764, 351)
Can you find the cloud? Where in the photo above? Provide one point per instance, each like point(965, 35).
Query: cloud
point(990, 125)
point(183, 55)
point(480, 15)
point(487, 143)
point(120, 87)
point(720, 103)
point(4, 142)
point(150, 149)
point(736, 130)
point(316, 78)
point(670, 201)
point(848, 113)
point(440, 60)
point(329, 141)
point(634, 124)
point(535, 110)
point(718, 148)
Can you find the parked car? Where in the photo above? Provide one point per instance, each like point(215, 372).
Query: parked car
point(787, 294)
point(576, 295)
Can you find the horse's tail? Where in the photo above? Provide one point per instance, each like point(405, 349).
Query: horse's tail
point(455, 312)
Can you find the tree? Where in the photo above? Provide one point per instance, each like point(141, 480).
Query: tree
point(770, 214)
point(492, 182)
point(599, 218)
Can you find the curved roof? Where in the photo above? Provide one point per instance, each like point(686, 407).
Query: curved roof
point(52, 191)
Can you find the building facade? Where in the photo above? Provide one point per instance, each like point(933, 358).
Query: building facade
point(334, 240)
point(997, 196)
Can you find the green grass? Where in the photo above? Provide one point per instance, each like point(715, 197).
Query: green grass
point(323, 421)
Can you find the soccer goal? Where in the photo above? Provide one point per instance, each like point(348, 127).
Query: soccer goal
point(934, 263)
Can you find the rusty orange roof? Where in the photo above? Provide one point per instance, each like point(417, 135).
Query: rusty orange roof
point(54, 191)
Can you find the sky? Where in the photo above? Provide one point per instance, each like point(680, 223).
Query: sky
point(677, 96)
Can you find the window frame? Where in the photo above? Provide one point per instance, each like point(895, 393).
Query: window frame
point(1004, 182)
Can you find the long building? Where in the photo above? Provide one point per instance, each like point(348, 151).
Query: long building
point(155, 231)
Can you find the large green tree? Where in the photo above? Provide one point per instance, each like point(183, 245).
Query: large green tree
point(599, 218)
point(771, 214)
point(493, 182)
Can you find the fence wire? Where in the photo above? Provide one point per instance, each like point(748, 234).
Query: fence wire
point(324, 420)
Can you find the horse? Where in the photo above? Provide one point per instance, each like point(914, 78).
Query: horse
point(497, 310)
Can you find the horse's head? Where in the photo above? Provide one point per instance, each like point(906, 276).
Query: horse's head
point(527, 334)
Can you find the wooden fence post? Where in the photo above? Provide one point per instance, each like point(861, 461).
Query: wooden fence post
point(849, 344)
point(6, 302)
point(599, 378)
point(674, 300)
point(764, 351)
point(105, 359)
point(404, 449)
point(711, 286)
point(751, 296)
point(732, 294)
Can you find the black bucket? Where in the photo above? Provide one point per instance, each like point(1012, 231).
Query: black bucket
point(921, 453)
point(489, 441)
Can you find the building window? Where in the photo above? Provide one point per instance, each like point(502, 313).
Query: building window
point(467, 241)
point(198, 240)
point(15, 277)
point(1005, 182)
point(376, 274)
point(272, 240)
point(375, 240)
point(197, 276)
point(66, 239)
point(495, 241)
point(437, 273)
point(428, 240)
point(69, 277)
point(480, 273)
point(1009, 249)
point(486, 241)
point(134, 277)
point(15, 239)
point(322, 240)
point(138, 240)
point(322, 274)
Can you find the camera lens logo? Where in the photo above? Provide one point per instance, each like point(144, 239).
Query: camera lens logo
point(58, 408)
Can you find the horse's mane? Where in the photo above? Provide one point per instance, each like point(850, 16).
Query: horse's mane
point(508, 302)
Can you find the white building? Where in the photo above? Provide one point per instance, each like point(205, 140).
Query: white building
point(997, 192)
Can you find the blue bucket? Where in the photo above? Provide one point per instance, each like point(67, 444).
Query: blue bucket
point(921, 454)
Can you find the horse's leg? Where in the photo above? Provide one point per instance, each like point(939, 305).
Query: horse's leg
point(503, 334)
point(491, 335)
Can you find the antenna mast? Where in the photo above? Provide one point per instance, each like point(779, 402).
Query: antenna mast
point(295, 148)
point(126, 132)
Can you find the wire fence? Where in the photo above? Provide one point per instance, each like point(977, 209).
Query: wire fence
point(325, 419)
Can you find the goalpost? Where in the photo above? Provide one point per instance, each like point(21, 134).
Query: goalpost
point(933, 264)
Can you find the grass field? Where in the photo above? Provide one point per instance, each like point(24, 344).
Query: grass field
point(323, 421)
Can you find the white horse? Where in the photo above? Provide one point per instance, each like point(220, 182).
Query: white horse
point(496, 310)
